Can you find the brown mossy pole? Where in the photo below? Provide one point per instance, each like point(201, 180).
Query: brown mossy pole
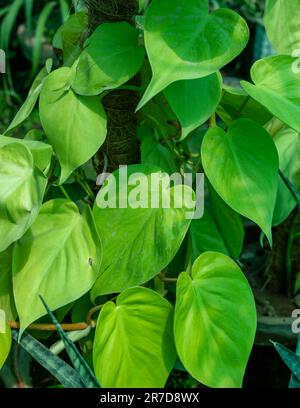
point(121, 146)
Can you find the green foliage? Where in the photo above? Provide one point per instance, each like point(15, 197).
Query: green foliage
point(6, 289)
point(219, 230)
point(291, 359)
point(233, 175)
point(70, 36)
point(276, 87)
point(5, 342)
point(215, 316)
point(81, 366)
point(33, 95)
point(194, 42)
point(111, 57)
point(22, 187)
point(64, 116)
point(285, 37)
point(101, 250)
point(65, 374)
point(202, 94)
point(136, 336)
point(64, 272)
point(130, 258)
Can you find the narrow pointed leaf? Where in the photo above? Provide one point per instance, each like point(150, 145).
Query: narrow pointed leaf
point(64, 373)
point(79, 363)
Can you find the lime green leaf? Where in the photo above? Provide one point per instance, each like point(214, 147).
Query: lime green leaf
point(7, 302)
point(22, 188)
point(220, 229)
point(276, 87)
point(5, 342)
point(135, 336)
point(111, 57)
point(75, 125)
point(215, 321)
point(58, 258)
point(194, 101)
point(31, 99)
point(154, 153)
point(143, 4)
point(282, 25)
point(242, 166)
point(184, 41)
point(287, 142)
point(69, 37)
point(236, 103)
point(138, 243)
point(41, 152)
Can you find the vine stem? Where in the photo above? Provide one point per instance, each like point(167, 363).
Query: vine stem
point(64, 191)
point(51, 327)
point(212, 121)
point(164, 279)
point(80, 178)
point(242, 107)
point(65, 326)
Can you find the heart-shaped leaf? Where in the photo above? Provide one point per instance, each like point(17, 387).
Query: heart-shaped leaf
point(69, 37)
point(130, 257)
point(111, 57)
point(5, 342)
point(242, 166)
point(41, 152)
point(282, 25)
point(276, 88)
point(22, 188)
point(75, 125)
point(58, 258)
point(215, 321)
point(184, 41)
point(136, 336)
point(194, 101)
point(7, 302)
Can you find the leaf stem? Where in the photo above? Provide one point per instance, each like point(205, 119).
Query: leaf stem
point(165, 279)
point(65, 192)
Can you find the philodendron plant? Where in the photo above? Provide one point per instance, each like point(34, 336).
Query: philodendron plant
point(154, 285)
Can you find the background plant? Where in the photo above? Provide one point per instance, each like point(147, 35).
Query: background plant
point(114, 277)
